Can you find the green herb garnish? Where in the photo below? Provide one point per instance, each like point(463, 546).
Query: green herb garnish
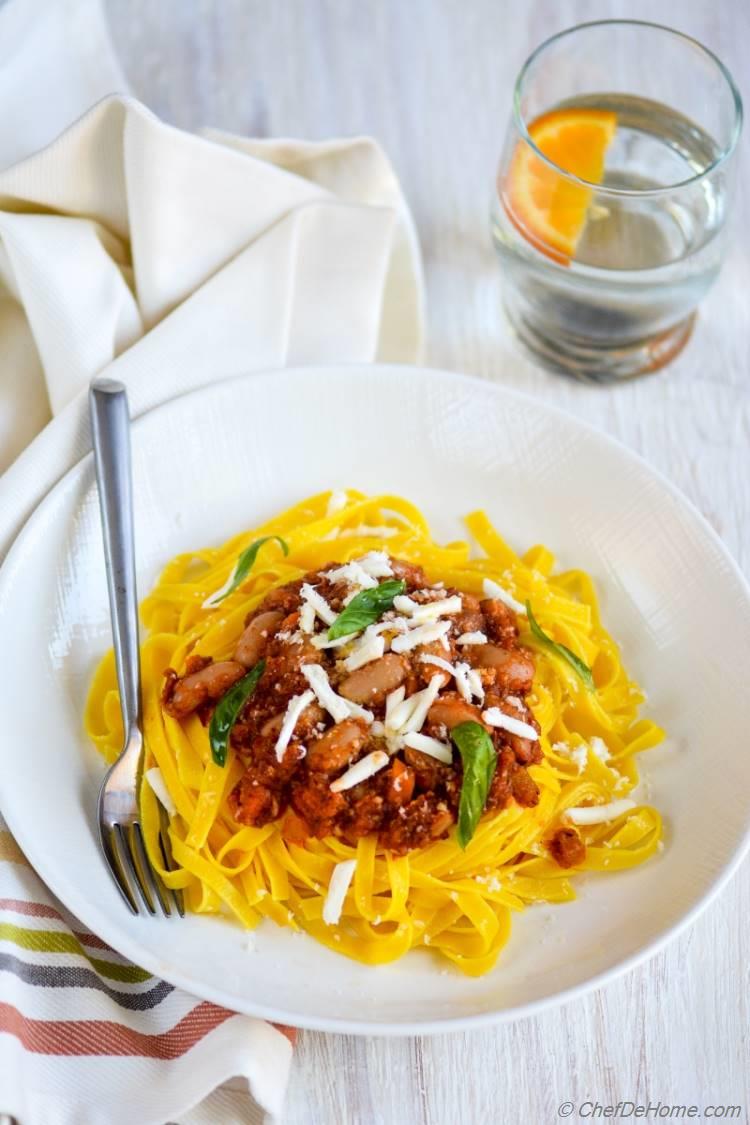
point(245, 564)
point(480, 761)
point(227, 710)
point(578, 665)
point(365, 608)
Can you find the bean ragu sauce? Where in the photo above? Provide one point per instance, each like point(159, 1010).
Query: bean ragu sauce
point(411, 797)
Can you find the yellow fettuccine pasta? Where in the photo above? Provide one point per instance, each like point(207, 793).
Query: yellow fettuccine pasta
point(457, 902)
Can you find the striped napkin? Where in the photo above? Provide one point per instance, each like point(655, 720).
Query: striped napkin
point(103, 270)
point(118, 1045)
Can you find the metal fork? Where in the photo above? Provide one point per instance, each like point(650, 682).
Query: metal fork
point(119, 821)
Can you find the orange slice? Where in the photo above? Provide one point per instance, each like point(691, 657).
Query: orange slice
point(548, 209)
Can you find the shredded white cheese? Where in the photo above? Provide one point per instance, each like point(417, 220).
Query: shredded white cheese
point(367, 531)
point(336, 706)
point(295, 707)
point(360, 771)
point(307, 618)
point(310, 595)
point(403, 716)
point(474, 680)
point(352, 573)
point(422, 635)
point(468, 685)
point(336, 501)
point(155, 778)
point(376, 564)
point(430, 611)
point(472, 639)
point(392, 700)
point(432, 746)
point(579, 756)
point(599, 748)
point(404, 604)
point(370, 647)
point(438, 661)
point(341, 878)
point(494, 717)
point(492, 590)
point(422, 701)
point(599, 814)
point(321, 641)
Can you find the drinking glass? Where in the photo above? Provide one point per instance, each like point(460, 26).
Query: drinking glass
point(612, 193)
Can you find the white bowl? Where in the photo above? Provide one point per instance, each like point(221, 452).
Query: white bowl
point(229, 456)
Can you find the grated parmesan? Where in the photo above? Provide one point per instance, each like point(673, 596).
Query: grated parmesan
point(376, 564)
point(494, 717)
point(599, 814)
point(322, 641)
point(336, 501)
point(468, 681)
point(367, 531)
point(422, 635)
point(336, 706)
point(430, 611)
point(352, 573)
point(492, 590)
point(370, 647)
point(599, 748)
point(295, 707)
point(341, 878)
point(472, 639)
point(432, 746)
point(360, 771)
point(310, 595)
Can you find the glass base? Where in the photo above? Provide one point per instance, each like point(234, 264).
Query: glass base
point(602, 364)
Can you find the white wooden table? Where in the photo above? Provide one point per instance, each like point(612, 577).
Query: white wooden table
point(431, 79)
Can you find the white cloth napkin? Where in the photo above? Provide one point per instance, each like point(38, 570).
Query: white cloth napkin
point(166, 260)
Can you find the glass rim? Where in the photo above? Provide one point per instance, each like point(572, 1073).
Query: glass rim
point(601, 189)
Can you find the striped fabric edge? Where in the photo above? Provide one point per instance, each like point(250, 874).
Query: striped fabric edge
point(64, 957)
point(107, 1037)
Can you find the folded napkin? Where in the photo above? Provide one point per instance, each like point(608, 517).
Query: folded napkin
point(168, 261)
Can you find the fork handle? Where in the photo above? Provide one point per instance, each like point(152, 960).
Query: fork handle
point(110, 424)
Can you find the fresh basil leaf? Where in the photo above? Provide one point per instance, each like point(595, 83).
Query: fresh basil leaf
point(578, 666)
point(245, 564)
point(228, 708)
point(365, 608)
point(480, 761)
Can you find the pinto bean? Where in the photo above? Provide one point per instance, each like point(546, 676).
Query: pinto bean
point(450, 711)
point(191, 692)
point(336, 748)
point(372, 682)
point(252, 643)
point(514, 667)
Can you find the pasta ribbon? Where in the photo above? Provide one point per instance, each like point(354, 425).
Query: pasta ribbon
point(456, 902)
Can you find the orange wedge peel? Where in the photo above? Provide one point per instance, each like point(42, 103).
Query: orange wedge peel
point(548, 208)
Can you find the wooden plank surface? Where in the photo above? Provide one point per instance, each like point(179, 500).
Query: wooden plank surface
point(432, 80)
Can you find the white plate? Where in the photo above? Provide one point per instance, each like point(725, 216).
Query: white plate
point(233, 454)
